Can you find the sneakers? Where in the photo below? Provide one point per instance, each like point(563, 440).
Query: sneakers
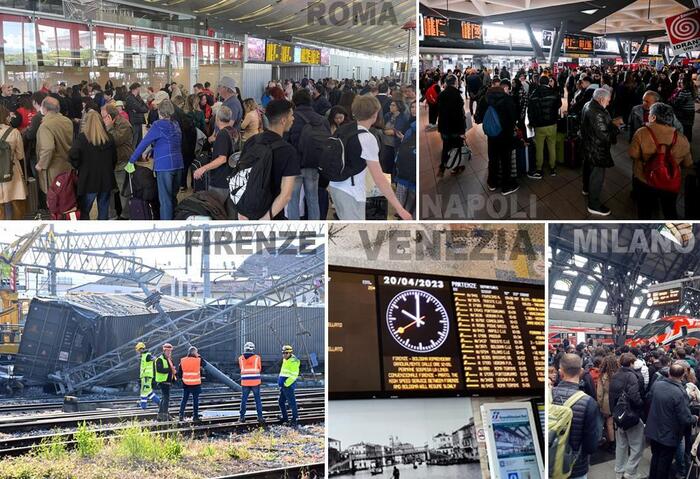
point(535, 175)
point(196, 419)
point(584, 192)
point(181, 418)
point(491, 187)
point(600, 211)
point(510, 189)
point(262, 422)
point(553, 172)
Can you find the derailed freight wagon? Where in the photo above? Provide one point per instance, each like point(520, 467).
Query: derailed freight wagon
point(63, 333)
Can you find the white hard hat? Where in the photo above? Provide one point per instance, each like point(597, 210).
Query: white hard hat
point(249, 346)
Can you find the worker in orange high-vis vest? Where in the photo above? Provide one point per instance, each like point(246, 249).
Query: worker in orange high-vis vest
point(190, 371)
point(251, 367)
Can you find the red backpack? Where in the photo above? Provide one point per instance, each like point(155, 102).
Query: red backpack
point(662, 172)
point(62, 198)
point(432, 95)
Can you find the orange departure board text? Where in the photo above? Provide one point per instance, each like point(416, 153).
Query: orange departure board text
point(435, 27)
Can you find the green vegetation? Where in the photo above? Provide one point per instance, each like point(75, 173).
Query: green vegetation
point(88, 443)
point(51, 448)
point(140, 444)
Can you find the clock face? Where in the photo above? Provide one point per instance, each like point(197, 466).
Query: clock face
point(417, 321)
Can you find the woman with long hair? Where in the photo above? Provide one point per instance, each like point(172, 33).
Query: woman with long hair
point(607, 369)
point(251, 125)
point(94, 156)
point(194, 111)
point(683, 103)
point(13, 192)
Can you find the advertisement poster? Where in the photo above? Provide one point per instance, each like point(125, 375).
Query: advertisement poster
point(515, 455)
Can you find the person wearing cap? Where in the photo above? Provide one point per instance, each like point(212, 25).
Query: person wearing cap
point(146, 373)
point(120, 107)
point(227, 92)
point(165, 377)
point(166, 137)
point(122, 134)
point(190, 370)
point(136, 108)
point(289, 373)
point(251, 367)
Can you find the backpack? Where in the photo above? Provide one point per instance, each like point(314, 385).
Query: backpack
point(406, 160)
point(623, 415)
point(250, 184)
point(492, 124)
point(6, 158)
point(313, 136)
point(62, 198)
point(559, 418)
point(432, 95)
point(333, 163)
point(662, 172)
point(143, 184)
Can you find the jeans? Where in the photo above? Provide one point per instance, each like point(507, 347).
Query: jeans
point(661, 458)
point(246, 390)
point(648, 199)
point(186, 391)
point(593, 178)
point(629, 446)
point(308, 178)
point(102, 205)
point(287, 396)
point(500, 161)
point(164, 398)
point(681, 463)
point(137, 134)
point(168, 184)
point(323, 201)
point(548, 134)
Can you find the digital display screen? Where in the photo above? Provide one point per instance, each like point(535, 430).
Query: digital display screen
point(452, 28)
point(600, 44)
point(297, 54)
point(310, 56)
point(578, 44)
point(394, 334)
point(279, 52)
point(256, 49)
point(325, 56)
point(513, 450)
point(665, 297)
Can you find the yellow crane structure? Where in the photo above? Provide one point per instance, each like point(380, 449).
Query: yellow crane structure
point(10, 307)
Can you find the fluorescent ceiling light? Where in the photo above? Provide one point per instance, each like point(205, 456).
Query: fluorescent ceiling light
point(498, 23)
point(589, 12)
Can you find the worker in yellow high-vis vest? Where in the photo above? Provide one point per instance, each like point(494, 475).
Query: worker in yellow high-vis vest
point(146, 373)
point(287, 383)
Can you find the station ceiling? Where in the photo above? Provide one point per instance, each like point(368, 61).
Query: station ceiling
point(628, 17)
point(572, 285)
point(283, 19)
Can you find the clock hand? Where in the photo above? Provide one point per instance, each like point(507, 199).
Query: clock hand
point(404, 328)
point(409, 314)
point(417, 306)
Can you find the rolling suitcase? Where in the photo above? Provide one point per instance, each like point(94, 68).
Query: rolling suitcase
point(139, 209)
point(32, 198)
point(571, 156)
point(201, 184)
point(692, 197)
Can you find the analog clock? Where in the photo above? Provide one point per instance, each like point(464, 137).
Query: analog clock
point(417, 320)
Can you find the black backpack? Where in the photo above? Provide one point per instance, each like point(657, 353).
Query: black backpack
point(623, 415)
point(314, 135)
point(406, 160)
point(6, 157)
point(143, 184)
point(250, 184)
point(340, 156)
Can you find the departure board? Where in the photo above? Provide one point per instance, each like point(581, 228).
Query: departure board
point(665, 297)
point(578, 44)
point(279, 52)
point(435, 27)
point(310, 56)
point(412, 335)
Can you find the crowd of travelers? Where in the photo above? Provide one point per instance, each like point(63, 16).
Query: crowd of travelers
point(537, 119)
point(628, 398)
point(145, 153)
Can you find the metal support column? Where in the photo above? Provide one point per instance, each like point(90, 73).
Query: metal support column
point(52, 261)
point(639, 50)
point(539, 54)
point(556, 45)
point(664, 55)
point(206, 252)
point(622, 50)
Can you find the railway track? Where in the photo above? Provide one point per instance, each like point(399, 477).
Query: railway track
point(311, 410)
point(210, 396)
point(291, 472)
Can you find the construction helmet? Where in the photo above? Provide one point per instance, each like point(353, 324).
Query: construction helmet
point(167, 346)
point(248, 347)
point(287, 348)
point(140, 346)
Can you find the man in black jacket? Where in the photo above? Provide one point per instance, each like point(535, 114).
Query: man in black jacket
point(587, 425)
point(303, 114)
point(451, 121)
point(669, 416)
point(501, 146)
point(630, 442)
point(598, 134)
point(136, 108)
point(543, 112)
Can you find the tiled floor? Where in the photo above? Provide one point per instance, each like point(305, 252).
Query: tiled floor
point(467, 197)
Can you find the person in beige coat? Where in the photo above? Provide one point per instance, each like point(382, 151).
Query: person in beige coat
point(53, 141)
point(642, 149)
point(122, 133)
point(14, 191)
